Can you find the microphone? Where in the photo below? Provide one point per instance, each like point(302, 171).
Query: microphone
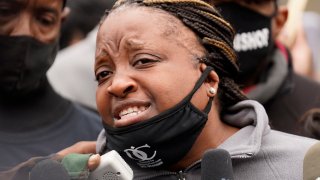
point(216, 165)
point(112, 167)
point(311, 163)
point(49, 170)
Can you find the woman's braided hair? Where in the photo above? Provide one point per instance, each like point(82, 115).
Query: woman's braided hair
point(239, 1)
point(214, 33)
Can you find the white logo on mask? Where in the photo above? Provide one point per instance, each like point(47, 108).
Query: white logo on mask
point(139, 154)
point(251, 40)
point(144, 160)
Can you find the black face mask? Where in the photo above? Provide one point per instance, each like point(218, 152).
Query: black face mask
point(24, 63)
point(164, 139)
point(253, 41)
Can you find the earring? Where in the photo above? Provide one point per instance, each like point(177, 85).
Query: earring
point(212, 90)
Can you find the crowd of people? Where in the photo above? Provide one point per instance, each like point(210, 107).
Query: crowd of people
point(174, 79)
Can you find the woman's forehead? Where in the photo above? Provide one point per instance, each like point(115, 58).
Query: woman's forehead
point(144, 19)
point(153, 27)
point(151, 12)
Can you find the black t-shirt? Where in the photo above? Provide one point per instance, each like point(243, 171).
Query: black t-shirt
point(63, 124)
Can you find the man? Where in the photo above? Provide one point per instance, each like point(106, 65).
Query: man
point(266, 72)
point(34, 120)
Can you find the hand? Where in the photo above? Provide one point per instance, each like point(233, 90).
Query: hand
point(94, 162)
point(83, 147)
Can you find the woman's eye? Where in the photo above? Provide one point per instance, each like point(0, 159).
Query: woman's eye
point(144, 61)
point(102, 75)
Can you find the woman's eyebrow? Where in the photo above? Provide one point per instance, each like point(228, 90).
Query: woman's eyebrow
point(101, 53)
point(134, 43)
point(128, 44)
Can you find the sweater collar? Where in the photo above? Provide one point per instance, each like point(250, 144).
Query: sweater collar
point(252, 118)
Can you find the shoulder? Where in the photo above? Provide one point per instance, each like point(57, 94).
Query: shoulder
point(284, 153)
point(276, 141)
point(300, 81)
point(303, 95)
point(298, 87)
point(280, 157)
point(86, 111)
point(84, 117)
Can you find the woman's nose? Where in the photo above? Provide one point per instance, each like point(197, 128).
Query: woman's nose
point(121, 86)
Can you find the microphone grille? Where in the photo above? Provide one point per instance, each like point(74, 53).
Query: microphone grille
point(111, 176)
point(216, 164)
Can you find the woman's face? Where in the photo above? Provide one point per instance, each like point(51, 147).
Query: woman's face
point(145, 64)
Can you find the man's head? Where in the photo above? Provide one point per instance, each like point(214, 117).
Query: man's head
point(40, 19)
point(257, 24)
point(29, 31)
point(268, 8)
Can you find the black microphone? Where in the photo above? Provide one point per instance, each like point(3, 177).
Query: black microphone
point(311, 163)
point(49, 170)
point(216, 165)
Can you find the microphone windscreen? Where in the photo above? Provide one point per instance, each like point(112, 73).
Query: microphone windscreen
point(216, 165)
point(49, 170)
point(311, 163)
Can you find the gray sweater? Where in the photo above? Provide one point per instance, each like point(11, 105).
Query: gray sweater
point(256, 151)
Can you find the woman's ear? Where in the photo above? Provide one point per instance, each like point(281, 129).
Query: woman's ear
point(212, 81)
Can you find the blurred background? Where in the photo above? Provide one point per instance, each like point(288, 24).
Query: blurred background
point(312, 5)
point(303, 28)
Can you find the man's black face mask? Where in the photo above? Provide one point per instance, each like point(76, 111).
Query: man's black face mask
point(253, 41)
point(24, 63)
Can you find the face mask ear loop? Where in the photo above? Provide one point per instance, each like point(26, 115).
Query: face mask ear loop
point(209, 105)
point(202, 79)
point(199, 83)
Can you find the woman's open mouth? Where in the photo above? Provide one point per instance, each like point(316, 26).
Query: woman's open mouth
point(130, 115)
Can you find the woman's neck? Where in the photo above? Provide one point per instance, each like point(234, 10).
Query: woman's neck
point(213, 134)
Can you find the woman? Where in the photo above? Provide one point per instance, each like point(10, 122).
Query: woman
point(166, 95)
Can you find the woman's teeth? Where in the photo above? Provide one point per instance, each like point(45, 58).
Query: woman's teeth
point(132, 111)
